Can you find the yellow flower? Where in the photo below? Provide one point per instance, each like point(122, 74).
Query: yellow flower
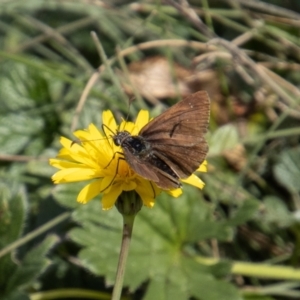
point(97, 158)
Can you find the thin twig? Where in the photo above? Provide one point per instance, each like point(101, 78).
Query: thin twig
point(93, 79)
point(21, 158)
point(33, 234)
point(50, 33)
point(259, 70)
point(269, 8)
point(188, 12)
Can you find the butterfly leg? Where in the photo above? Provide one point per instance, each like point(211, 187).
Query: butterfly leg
point(121, 153)
point(153, 190)
point(117, 169)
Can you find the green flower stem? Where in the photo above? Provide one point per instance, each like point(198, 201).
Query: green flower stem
point(68, 294)
point(265, 271)
point(258, 270)
point(128, 221)
point(272, 135)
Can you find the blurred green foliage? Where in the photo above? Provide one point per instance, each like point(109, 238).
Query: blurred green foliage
point(191, 247)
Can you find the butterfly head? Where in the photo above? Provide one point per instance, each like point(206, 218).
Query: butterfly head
point(120, 137)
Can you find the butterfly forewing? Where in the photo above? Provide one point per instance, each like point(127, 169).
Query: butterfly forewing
point(185, 122)
point(177, 135)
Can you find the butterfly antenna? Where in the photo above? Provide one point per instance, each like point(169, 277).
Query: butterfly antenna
point(106, 127)
point(129, 104)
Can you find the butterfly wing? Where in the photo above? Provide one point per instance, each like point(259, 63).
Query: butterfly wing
point(177, 135)
point(183, 160)
point(148, 170)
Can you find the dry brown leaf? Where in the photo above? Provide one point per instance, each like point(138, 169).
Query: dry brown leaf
point(154, 78)
point(236, 157)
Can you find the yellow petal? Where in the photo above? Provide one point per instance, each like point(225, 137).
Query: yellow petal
point(75, 175)
point(129, 186)
point(175, 193)
point(61, 164)
point(109, 198)
point(194, 180)
point(81, 157)
point(128, 126)
point(94, 132)
point(71, 146)
point(109, 121)
point(89, 192)
point(203, 167)
point(141, 120)
point(148, 192)
point(64, 154)
point(90, 137)
point(107, 183)
point(76, 152)
point(147, 200)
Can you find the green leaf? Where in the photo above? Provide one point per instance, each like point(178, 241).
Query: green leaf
point(244, 212)
point(287, 170)
point(13, 207)
point(161, 238)
point(16, 131)
point(15, 274)
point(222, 187)
point(276, 212)
point(27, 117)
point(16, 295)
point(205, 287)
point(224, 138)
point(33, 264)
point(258, 297)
